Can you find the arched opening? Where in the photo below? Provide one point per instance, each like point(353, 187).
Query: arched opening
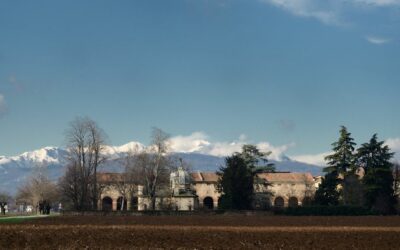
point(134, 203)
point(293, 202)
point(121, 204)
point(279, 202)
point(208, 202)
point(106, 204)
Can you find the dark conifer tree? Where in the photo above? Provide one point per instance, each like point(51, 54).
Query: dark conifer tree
point(237, 184)
point(340, 163)
point(378, 181)
point(239, 175)
point(256, 160)
point(327, 193)
point(342, 160)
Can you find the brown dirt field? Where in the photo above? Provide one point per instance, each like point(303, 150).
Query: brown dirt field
point(203, 232)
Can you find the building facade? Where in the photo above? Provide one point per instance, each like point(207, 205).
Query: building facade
point(199, 190)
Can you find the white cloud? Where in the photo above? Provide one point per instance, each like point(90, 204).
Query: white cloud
point(187, 144)
point(377, 40)
point(3, 106)
point(378, 2)
point(276, 151)
point(198, 142)
point(328, 11)
point(394, 145)
point(307, 8)
point(315, 159)
point(223, 148)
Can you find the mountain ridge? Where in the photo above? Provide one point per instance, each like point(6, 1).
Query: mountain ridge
point(15, 170)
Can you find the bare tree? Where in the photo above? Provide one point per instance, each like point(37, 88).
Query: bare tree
point(38, 191)
point(85, 142)
point(154, 166)
point(126, 182)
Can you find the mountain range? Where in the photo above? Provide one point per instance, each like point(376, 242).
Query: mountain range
point(15, 170)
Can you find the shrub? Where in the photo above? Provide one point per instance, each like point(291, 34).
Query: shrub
point(326, 210)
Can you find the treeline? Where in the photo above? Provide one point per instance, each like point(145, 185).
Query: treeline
point(356, 182)
point(363, 177)
point(357, 179)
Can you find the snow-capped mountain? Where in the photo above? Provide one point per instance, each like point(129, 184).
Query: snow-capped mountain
point(15, 170)
point(116, 152)
point(37, 158)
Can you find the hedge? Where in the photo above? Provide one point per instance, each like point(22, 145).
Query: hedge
point(326, 210)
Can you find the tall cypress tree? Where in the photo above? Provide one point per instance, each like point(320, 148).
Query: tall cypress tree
point(378, 181)
point(339, 164)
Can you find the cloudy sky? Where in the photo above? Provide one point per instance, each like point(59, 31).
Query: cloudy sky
point(283, 74)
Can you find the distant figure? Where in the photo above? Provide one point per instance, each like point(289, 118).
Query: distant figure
point(41, 207)
point(48, 207)
point(3, 207)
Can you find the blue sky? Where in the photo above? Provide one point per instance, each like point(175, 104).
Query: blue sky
point(277, 71)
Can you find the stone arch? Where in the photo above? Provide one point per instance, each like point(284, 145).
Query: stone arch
point(279, 202)
point(134, 203)
point(293, 201)
point(106, 203)
point(208, 202)
point(121, 204)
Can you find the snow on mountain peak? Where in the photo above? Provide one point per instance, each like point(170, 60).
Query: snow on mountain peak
point(131, 146)
point(46, 155)
point(117, 151)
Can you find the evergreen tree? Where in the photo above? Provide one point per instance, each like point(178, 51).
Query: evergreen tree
point(327, 193)
point(378, 181)
point(236, 183)
point(340, 164)
point(256, 160)
point(342, 160)
point(353, 190)
point(239, 175)
point(374, 154)
point(396, 177)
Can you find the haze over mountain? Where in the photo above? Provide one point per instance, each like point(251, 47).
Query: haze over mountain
point(15, 170)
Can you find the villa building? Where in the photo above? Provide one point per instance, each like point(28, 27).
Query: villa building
point(199, 190)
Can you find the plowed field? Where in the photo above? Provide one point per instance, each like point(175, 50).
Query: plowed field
point(203, 232)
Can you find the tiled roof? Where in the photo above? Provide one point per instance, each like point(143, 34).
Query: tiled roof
point(204, 177)
point(286, 177)
point(210, 177)
point(196, 176)
point(109, 177)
